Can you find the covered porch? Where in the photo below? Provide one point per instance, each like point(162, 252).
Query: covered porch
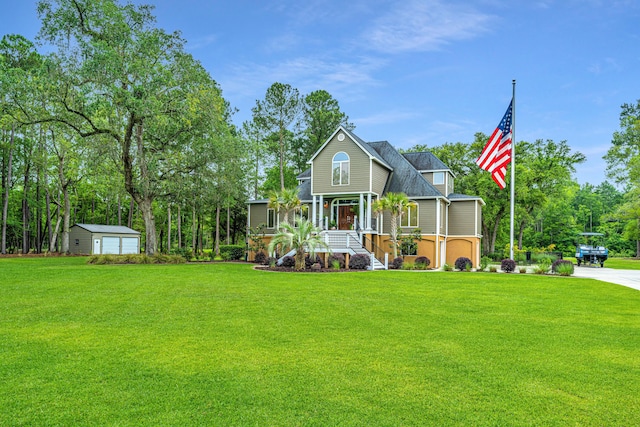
point(344, 212)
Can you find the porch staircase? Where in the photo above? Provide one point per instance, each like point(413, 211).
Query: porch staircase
point(344, 242)
point(349, 242)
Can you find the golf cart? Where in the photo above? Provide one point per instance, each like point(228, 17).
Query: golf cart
point(590, 254)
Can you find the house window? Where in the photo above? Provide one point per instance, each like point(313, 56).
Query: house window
point(410, 216)
point(340, 169)
point(271, 218)
point(300, 213)
point(438, 178)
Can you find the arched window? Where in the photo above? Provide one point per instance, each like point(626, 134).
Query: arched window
point(340, 169)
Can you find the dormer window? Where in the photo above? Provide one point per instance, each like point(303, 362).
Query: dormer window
point(438, 178)
point(340, 169)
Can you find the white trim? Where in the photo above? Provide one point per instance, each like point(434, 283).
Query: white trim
point(417, 215)
point(275, 219)
point(348, 134)
point(361, 210)
point(475, 218)
point(314, 206)
point(433, 178)
point(438, 255)
point(369, 212)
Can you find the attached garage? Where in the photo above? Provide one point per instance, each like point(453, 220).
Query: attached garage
point(96, 239)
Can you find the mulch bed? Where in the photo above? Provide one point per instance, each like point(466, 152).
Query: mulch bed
point(293, 270)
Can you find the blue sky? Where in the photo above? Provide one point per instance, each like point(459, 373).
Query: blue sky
point(421, 72)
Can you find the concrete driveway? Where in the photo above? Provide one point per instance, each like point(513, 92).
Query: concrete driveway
point(628, 278)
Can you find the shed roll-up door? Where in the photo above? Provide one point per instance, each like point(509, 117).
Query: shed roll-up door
point(110, 245)
point(130, 245)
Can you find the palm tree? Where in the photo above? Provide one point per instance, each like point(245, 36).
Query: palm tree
point(286, 201)
point(397, 204)
point(305, 238)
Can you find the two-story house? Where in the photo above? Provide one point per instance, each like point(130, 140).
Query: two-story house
point(347, 175)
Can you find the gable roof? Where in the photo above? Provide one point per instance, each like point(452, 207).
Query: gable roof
point(99, 228)
point(359, 142)
point(405, 178)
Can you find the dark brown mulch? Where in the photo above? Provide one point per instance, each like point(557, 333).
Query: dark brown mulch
point(34, 255)
point(293, 270)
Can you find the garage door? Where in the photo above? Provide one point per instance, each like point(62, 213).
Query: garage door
point(130, 245)
point(110, 245)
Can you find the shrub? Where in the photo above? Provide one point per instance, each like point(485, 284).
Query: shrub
point(260, 258)
point(508, 265)
point(484, 262)
point(408, 266)
point(335, 264)
point(359, 262)
point(493, 269)
point(446, 267)
point(422, 262)
point(544, 264)
point(539, 270)
point(308, 261)
point(136, 259)
point(396, 264)
point(463, 263)
point(522, 270)
point(288, 261)
point(562, 267)
point(337, 257)
point(272, 262)
point(187, 253)
point(231, 252)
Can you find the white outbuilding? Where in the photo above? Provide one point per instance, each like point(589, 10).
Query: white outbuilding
point(96, 239)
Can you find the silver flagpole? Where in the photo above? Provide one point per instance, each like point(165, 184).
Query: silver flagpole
point(513, 166)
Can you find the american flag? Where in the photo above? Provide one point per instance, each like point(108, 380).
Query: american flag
point(496, 154)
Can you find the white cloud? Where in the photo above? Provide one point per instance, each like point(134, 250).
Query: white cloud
point(425, 25)
point(306, 74)
point(604, 65)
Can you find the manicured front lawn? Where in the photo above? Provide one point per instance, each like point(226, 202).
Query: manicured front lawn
point(623, 263)
point(221, 344)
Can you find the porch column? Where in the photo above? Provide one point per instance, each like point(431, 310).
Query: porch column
point(439, 260)
point(321, 215)
point(313, 212)
point(369, 212)
point(361, 212)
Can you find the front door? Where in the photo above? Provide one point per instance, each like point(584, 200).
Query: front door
point(96, 246)
point(345, 218)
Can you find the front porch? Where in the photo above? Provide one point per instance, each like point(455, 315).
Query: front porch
point(344, 212)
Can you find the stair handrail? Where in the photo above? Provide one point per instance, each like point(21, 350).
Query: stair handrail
point(377, 251)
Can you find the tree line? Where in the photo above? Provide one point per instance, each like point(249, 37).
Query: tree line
point(119, 125)
point(551, 208)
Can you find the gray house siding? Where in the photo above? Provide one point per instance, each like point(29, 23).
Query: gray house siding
point(379, 178)
point(257, 214)
point(359, 168)
point(463, 218)
point(426, 218)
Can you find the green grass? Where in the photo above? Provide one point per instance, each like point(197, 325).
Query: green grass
point(623, 263)
point(221, 344)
